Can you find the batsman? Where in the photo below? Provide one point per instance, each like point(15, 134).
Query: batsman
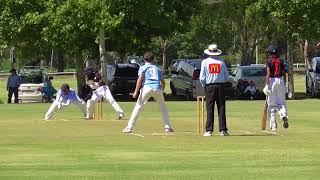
point(275, 88)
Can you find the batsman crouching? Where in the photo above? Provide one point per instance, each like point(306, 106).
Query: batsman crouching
point(65, 97)
point(102, 91)
point(275, 88)
point(213, 75)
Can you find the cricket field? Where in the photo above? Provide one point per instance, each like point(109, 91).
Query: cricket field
point(71, 148)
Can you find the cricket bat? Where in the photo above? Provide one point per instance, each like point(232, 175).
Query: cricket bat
point(264, 117)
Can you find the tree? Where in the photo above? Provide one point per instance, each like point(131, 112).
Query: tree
point(159, 18)
point(250, 25)
point(74, 25)
point(302, 19)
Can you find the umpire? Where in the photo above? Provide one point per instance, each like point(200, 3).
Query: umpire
point(213, 75)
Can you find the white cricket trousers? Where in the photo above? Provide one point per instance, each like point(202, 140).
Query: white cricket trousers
point(56, 105)
point(277, 100)
point(97, 95)
point(145, 94)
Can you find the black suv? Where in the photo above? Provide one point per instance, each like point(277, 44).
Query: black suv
point(125, 78)
point(313, 78)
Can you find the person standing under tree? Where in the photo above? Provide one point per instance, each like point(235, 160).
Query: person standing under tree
point(13, 84)
point(275, 88)
point(213, 75)
point(152, 84)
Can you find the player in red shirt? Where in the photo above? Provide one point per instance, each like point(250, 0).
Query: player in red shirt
point(275, 88)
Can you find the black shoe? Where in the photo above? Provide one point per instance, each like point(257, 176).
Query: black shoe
point(285, 122)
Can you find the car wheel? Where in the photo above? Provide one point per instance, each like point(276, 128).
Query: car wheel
point(307, 88)
point(239, 93)
point(173, 90)
point(188, 95)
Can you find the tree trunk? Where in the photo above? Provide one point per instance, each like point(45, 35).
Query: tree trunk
point(290, 68)
point(80, 65)
point(60, 61)
point(306, 55)
point(164, 46)
point(103, 59)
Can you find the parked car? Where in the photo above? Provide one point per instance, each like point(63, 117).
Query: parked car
point(135, 60)
point(176, 63)
point(32, 83)
point(242, 75)
point(313, 78)
point(185, 80)
point(124, 78)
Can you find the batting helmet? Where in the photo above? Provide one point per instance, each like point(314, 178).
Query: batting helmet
point(272, 49)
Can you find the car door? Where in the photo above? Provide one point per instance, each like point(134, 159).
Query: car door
point(309, 76)
point(235, 78)
point(177, 80)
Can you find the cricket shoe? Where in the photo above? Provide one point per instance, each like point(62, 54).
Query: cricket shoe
point(47, 118)
point(285, 122)
point(224, 133)
point(127, 130)
point(121, 115)
point(207, 134)
point(88, 118)
point(273, 129)
point(168, 130)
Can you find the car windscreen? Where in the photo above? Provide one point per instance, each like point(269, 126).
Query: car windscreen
point(31, 79)
point(126, 72)
point(248, 72)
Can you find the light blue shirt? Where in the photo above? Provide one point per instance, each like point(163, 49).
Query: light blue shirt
point(213, 70)
point(152, 75)
point(71, 96)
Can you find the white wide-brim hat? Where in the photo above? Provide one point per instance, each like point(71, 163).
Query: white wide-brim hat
point(213, 50)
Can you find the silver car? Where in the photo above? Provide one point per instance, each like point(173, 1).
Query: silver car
point(313, 78)
point(32, 83)
point(242, 75)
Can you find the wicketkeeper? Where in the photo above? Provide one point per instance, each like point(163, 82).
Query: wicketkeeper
point(275, 88)
point(65, 97)
point(102, 91)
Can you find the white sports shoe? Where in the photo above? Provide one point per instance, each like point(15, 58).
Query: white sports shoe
point(47, 118)
point(88, 118)
point(121, 115)
point(168, 130)
point(127, 130)
point(207, 134)
point(224, 133)
point(273, 129)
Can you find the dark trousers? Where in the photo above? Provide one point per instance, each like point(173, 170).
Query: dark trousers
point(13, 90)
point(215, 94)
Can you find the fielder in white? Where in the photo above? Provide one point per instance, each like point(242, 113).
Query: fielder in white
point(275, 88)
point(152, 84)
point(65, 97)
point(102, 91)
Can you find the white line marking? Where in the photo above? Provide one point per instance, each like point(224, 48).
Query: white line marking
point(246, 132)
point(163, 134)
point(137, 134)
point(274, 133)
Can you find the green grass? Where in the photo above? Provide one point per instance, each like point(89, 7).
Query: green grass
point(69, 147)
